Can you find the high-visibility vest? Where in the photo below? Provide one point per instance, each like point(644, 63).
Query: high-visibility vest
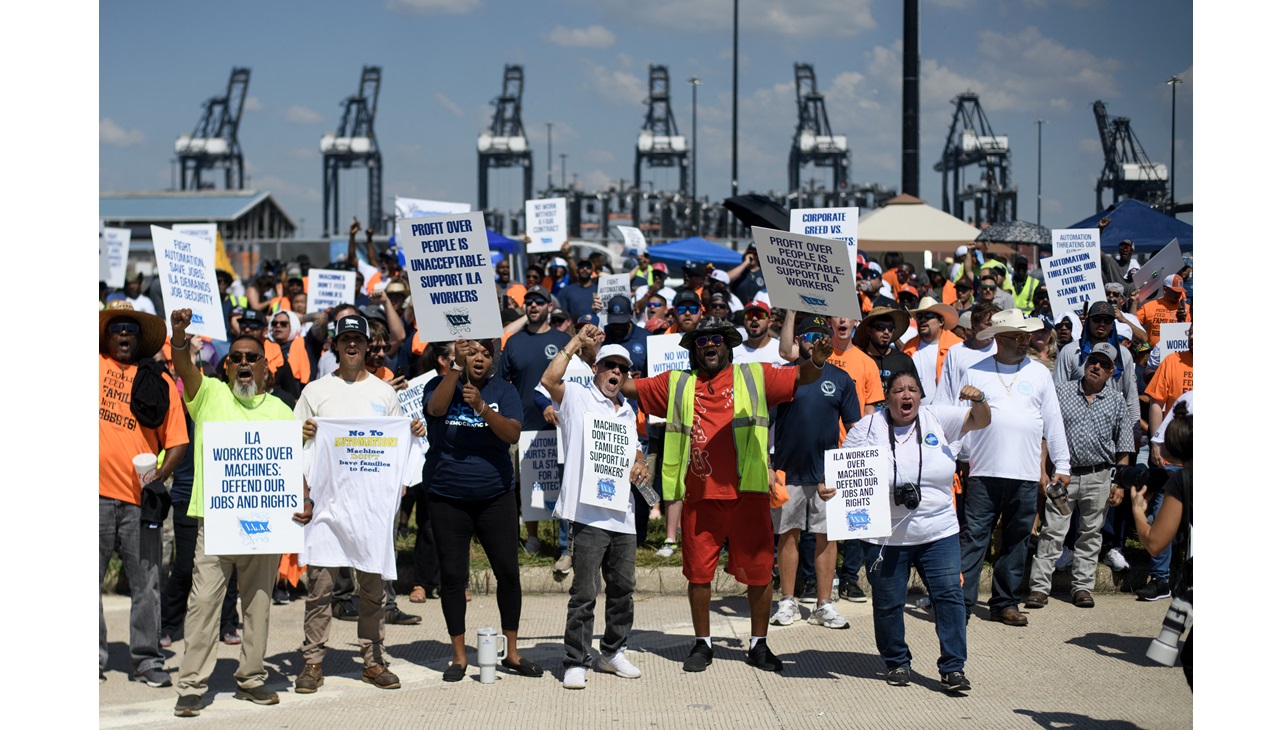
point(1022, 299)
point(750, 430)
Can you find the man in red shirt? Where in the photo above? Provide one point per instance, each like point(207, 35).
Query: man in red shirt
point(714, 434)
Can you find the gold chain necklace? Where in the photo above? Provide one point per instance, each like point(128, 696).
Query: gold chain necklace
point(1008, 389)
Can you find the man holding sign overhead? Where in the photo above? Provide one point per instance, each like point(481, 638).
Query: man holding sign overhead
point(600, 435)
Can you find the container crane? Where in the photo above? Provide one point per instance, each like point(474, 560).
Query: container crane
point(215, 141)
point(971, 141)
point(1126, 169)
point(354, 144)
point(813, 141)
point(504, 143)
point(660, 143)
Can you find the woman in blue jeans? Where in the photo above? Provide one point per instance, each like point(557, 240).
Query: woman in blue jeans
point(918, 443)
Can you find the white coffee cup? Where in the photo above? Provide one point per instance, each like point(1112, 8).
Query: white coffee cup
point(145, 465)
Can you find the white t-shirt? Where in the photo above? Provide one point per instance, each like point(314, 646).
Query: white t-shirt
point(332, 397)
point(578, 401)
point(1184, 398)
point(958, 360)
point(142, 303)
point(767, 353)
point(356, 471)
point(926, 360)
point(1024, 410)
point(935, 517)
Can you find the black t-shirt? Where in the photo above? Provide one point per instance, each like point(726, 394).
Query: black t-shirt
point(1179, 487)
point(524, 359)
point(808, 425)
point(576, 299)
point(466, 459)
point(750, 284)
point(891, 363)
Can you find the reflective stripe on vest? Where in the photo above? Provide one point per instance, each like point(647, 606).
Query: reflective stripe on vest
point(750, 430)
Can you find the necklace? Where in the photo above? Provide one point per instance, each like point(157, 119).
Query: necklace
point(906, 435)
point(260, 401)
point(1008, 388)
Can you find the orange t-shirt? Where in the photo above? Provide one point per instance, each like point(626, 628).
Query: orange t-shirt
point(949, 293)
point(865, 374)
point(299, 363)
point(120, 437)
point(1155, 313)
point(890, 277)
point(517, 292)
point(1171, 379)
point(418, 346)
point(372, 282)
point(713, 456)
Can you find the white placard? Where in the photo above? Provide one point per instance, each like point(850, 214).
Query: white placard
point(632, 239)
point(547, 223)
point(611, 285)
point(328, 288)
point(411, 406)
point(606, 461)
point(839, 224)
point(663, 353)
point(807, 273)
point(187, 280)
point(1150, 278)
point(450, 277)
point(1075, 240)
point(1073, 280)
point(203, 231)
point(113, 256)
point(252, 486)
point(860, 508)
point(417, 208)
point(1173, 338)
point(539, 474)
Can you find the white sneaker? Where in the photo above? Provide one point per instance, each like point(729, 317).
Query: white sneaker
point(827, 615)
point(1066, 559)
point(563, 564)
point(575, 678)
point(617, 664)
point(533, 544)
point(1114, 559)
point(787, 611)
point(668, 549)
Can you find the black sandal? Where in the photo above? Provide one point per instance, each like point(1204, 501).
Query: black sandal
point(455, 673)
point(525, 668)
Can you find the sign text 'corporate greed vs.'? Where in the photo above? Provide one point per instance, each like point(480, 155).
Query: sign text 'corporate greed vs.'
point(450, 277)
point(807, 273)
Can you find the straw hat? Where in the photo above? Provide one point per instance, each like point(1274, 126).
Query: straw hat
point(948, 313)
point(150, 338)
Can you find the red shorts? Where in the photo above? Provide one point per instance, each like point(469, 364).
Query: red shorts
point(746, 523)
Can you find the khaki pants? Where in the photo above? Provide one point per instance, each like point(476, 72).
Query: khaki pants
point(370, 626)
point(257, 576)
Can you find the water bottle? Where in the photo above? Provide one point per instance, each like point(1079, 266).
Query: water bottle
point(1057, 495)
point(487, 653)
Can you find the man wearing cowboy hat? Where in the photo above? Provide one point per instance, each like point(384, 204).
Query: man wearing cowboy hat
point(928, 349)
point(876, 335)
point(1005, 467)
point(716, 458)
point(127, 337)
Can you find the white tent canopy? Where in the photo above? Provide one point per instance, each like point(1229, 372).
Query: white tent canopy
point(907, 223)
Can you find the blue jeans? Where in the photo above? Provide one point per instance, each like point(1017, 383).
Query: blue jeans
point(1013, 501)
point(806, 573)
point(854, 552)
point(1160, 563)
point(597, 551)
point(938, 563)
point(120, 531)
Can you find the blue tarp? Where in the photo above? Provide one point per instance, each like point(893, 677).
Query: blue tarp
point(697, 249)
point(1149, 229)
point(499, 242)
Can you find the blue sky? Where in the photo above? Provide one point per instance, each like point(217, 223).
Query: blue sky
point(586, 69)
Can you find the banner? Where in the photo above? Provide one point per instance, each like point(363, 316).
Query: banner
point(539, 474)
point(1150, 278)
point(1075, 240)
point(329, 288)
point(606, 462)
point(632, 239)
point(611, 285)
point(664, 353)
point(807, 273)
point(113, 256)
point(187, 280)
point(417, 208)
point(1073, 280)
point(860, 508)
point(836, 224)
point(411, 406)
point(450, 278)
point(252, 486)
point(547, 223)
point(1173, 338)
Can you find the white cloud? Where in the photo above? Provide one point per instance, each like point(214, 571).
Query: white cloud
point(447, 103)
point(113, 134)
point(617, 86)
point(252, 104)
point(593, 36)
point(298, 114)
point(797, 18)
point(431, 7)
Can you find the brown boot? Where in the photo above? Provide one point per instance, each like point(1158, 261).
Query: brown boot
point(379, 676)
point(310, 680)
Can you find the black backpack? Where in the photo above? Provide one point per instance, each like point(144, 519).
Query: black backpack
point(150, 398)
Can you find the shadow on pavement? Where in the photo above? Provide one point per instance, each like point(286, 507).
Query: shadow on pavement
point(1069, 720)
point(1132, 649)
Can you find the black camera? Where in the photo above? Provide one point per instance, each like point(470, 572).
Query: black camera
point(906, 495)
point(1140, 476)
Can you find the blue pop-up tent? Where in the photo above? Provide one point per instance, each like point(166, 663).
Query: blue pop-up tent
point(499, 242)
point(1149, 229)
point(696, 249)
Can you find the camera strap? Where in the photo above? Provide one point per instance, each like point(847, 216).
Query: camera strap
point(893, 448)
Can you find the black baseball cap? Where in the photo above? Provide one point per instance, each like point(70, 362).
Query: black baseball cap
point(351, 323)
point(686, 296)
point(252, 318)
point(619, 310)
point(694, 268)
point(538, 291)
point(1103, 309)
point(811, 323)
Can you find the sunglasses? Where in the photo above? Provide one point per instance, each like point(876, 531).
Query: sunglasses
point(755, 314)
point(688, 309)
point(124, 328)
point(812, 337)
point(1100, 319)
point(882, 326)
point(655, 305)
point(988, 287)
point(535, 302)
point(924, 318)
point(280, 323)
point(251, 325)
point(709, 340)
point(1019, 337)
point(378, 348)
point(608, 365)
point(250, 357)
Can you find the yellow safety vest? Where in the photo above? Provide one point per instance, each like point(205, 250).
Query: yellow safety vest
point(750, 430)
point(1022, 299)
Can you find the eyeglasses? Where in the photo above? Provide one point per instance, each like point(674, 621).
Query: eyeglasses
point(1018, 337)
point(655, 305)
point(812, 337)
point(378, 348)
point(882, 326)
point(1100, 319)
point(250, 357)
point(926, 318)
point(280, 323)
point(688, 309)
point(608, 365)
point(709, 340)
point(988, 287)
point(124, 328)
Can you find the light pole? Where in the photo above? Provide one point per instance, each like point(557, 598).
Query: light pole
point(1039, 131)
point(695, 82)
point(734, 173)
point(562, 156)
point(1173, 126)
point(549, 158)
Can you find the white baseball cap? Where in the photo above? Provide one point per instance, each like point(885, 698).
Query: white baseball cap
point(615, 351)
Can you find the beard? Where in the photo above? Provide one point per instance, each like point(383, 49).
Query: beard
point(244, 391)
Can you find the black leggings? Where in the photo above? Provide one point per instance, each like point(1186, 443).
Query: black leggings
point(496, 524)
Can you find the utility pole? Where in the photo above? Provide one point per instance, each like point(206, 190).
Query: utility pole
point(695, 82)
point(1039, 130)
point(734, 173)
point(562, 156)
point(1173, 126)
point(549, 158)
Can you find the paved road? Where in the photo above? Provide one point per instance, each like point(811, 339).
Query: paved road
point(1071, 668)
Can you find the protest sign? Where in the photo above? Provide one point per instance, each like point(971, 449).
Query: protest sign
point(329, 288)
point(203, 231)
point(860, 508)
point(632, 239)
point(1075, 240)
point(547, 222)
point(252, 486)
point(606, 462)
point(187, 280)
point(539, 474)
point(611, 285)
point(411, 406)
point(1150, 278)
point(807, 273)
point(113, 256)
point(663, 353)
point(417, 208)
point(1173, 338)
point(1073, 280)
point(837, 224)
point(450, 277)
